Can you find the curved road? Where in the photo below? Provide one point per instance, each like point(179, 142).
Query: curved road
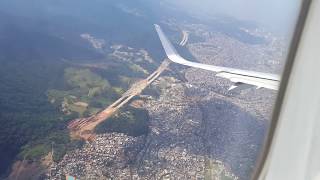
point(185, 38)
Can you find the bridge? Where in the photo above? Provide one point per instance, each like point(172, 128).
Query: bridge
point(83, 128)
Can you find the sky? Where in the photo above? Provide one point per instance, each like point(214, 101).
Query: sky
point(277, 15)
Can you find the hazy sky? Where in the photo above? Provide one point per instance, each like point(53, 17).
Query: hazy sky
point(278, 15)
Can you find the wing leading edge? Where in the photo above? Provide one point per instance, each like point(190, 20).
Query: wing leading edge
point(238, 76)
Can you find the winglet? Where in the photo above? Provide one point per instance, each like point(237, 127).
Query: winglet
point(166, 44)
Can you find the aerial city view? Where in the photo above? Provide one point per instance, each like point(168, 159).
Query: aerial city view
point(89, 91)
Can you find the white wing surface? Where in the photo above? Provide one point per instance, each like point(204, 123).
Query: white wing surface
point(238, 76)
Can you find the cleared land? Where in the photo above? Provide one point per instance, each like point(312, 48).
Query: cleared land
point(83, 127)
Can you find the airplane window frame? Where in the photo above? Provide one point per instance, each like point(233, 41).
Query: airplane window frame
point(263, 161)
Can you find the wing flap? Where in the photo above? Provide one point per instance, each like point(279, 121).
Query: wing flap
point(258, 82)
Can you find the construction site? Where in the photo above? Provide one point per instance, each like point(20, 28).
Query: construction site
point(83, 128)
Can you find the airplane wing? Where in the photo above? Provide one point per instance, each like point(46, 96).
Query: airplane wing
point(238, 76)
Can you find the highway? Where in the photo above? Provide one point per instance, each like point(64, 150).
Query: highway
point(83, 128)
point(185, 38)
